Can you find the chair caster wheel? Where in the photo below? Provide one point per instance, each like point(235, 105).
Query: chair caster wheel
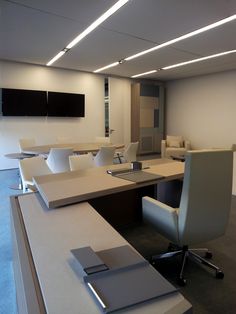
point(181, 282)
point(219, 274)
point(208, 255)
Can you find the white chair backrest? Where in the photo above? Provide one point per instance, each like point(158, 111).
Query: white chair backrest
point(102, 139)
point(32, 167)
point(26, 142)
point(58, 159)
point(206, 195)
point(130, 153)
point(80, 162)
point(105, 156)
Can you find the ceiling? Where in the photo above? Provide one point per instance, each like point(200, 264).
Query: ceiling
point(34, 31)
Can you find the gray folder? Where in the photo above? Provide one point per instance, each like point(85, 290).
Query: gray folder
point(129, 280)
point(139, 176)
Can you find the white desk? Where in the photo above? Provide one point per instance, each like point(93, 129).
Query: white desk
point(76, 186)
point(48, 279)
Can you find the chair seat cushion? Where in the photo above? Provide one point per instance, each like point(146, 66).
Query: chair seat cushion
point(173, 151)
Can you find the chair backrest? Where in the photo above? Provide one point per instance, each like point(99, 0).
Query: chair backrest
point(130, 153)
point(206, 195)
point(58, 159)
point(79, 162)
point(26, 142)
point(32, 167)
point(102, 139)
point(105, 156)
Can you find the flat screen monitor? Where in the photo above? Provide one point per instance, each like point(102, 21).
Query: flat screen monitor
point(65, 104)
point(20, 102)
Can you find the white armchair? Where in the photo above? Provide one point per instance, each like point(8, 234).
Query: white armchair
point(174, 146)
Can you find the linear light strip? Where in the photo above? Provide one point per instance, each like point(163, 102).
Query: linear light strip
point(145, 73)
point(107, 67)
point(89, 29)
point(187, 62)
point(96, 23)
point(172, 41)
point(61, 53)
point(191, 34)
point(198, 60)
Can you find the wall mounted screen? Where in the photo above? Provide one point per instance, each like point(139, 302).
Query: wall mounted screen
point(65, 104)
point(20, 102)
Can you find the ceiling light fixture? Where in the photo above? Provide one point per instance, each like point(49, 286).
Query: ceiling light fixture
point(186, 62)
point(89, 29)
point(145, 73)
point(198, 60)
point(191, 34)
point(107, 67)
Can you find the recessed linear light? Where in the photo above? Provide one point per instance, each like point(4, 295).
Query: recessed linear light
point(145, 73)
point(191, 34)
point(198, 60)
point(107, 67)
point(89, 29)
point(186, 62)
point(61, 53)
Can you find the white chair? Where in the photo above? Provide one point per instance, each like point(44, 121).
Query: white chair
point(102, 139)
point(174, 146)
point(105, 156)
point(80, 162)
point(204, 207)
point(58, 159)
point(26, 142)
point(129, 154)
point(31, 167)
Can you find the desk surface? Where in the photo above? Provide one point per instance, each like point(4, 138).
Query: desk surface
point(76, 186)
point(77, 147)
point(52, 234)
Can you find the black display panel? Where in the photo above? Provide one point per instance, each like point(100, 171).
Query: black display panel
point(65, 104)
point(20, 102)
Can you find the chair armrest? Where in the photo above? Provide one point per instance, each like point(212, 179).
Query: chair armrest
point(163, 148)
point(187, 145)
point(162, 217)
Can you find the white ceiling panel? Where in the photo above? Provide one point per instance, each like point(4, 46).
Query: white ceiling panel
point(35, 31)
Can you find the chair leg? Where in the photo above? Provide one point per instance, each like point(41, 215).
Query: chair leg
point(181, 280)
point(186, 252)
point(166, 255)
point(201, 260)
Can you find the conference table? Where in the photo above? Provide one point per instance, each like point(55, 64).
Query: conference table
point(80, 148)
point(47, 224)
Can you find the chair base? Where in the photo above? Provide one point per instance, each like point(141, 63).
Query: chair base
point(186, 253)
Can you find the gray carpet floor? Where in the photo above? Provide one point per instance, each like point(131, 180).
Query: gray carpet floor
point(206, 293)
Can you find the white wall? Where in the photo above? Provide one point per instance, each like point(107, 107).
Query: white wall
point(203, 109)
point(43, 129)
